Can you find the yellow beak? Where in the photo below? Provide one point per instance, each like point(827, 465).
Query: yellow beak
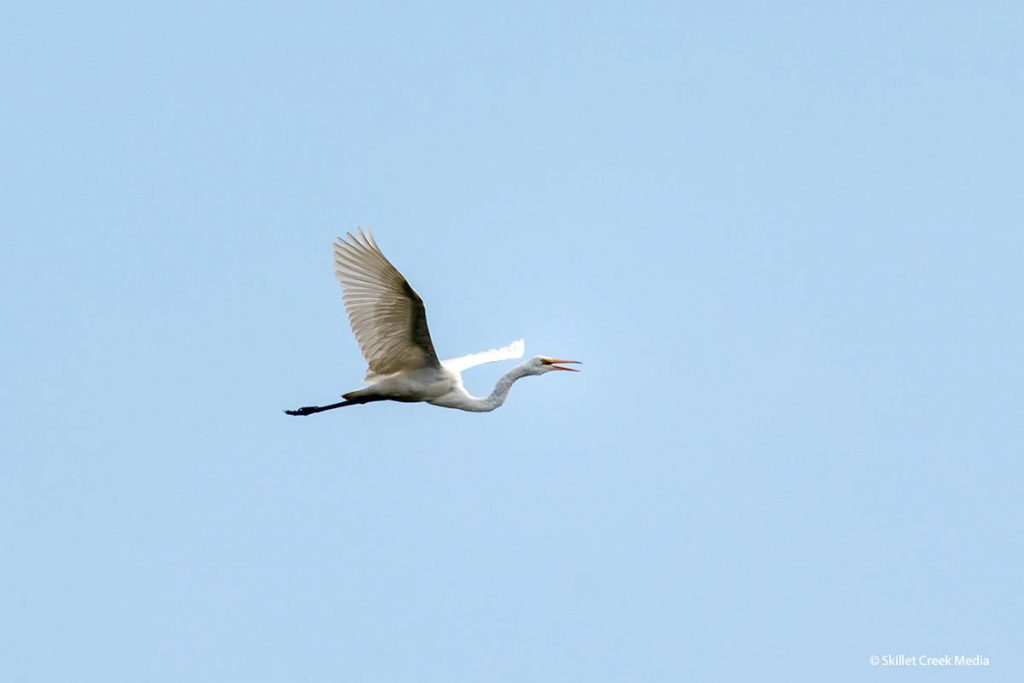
point(553, 361)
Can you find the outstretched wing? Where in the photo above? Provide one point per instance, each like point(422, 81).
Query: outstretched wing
point(513, 350)
point(386, 314)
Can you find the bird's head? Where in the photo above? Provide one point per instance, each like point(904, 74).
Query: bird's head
point(541, 364)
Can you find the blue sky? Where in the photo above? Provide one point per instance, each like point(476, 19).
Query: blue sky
point(785, 239)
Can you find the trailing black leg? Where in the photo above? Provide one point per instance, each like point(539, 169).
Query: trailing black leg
point(309, 410)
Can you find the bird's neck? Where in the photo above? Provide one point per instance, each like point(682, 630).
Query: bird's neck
point(500, 392)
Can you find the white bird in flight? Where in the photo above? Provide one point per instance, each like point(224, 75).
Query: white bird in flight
point(390, 324)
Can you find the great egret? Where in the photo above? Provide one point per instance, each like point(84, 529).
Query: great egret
point(390, 324)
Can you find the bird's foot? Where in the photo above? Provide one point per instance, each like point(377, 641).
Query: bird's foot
point(308, 410)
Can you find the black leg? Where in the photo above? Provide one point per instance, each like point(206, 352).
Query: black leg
point(309, 410)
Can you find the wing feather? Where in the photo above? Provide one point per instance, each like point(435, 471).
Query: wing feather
point(387, 316)
point(514, 350)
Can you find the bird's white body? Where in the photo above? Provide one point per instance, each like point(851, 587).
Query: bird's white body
point(422, 384)
point(390, 324)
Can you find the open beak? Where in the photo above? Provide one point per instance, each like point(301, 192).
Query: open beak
point(553, 363)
